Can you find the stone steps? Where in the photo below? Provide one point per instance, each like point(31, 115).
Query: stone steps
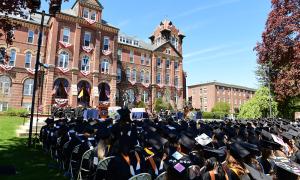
point(23, 130)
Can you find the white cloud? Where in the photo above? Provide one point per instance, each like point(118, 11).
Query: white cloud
point(221, 55)
point(207, 50)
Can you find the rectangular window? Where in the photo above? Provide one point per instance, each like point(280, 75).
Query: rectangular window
point(142, 58)
point(106, 43)
point(158, 78)
point(85, 13)
point(66, 35)
point(167, 79)
point(176, 81)
point(28, 60)
point(12, 58)
point(168, 64)
point(147, 59)
point(27, 106)
point(176, 65)
point(158, 62)
point(28, 89)
point(30, 36)
point(87, 39)
point(3, 106)
point(131, 56)
point(119, 54)
point(136, 43)
point(93, 16)
point(4, 88)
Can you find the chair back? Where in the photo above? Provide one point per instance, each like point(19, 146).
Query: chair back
point(103, 164)
point(162, 176)
point(142, 176)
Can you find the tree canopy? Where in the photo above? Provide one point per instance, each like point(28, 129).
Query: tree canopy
point(280, 48)
point(221, 107)
point(258, 106)
point(161, 105)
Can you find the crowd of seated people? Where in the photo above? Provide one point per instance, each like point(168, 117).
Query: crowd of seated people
point(170, 148)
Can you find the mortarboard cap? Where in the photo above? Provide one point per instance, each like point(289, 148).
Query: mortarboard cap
point(187, 142)
point(49, 120)
point(256, 174)
point(237, 151)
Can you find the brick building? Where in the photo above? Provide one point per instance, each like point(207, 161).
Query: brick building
point(205, 96)
point(91, 62)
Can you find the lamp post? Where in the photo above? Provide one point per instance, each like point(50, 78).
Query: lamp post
point(55, 6)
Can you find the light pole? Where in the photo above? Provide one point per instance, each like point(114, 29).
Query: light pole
point(54, 8)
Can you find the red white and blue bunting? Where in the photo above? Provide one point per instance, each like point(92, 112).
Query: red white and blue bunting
point(31, 71)
point(6, 67)
point(85, 73)
point(87, 49)
point(63, 70)
point(91, 22)
point(106, 52)
point(64, 44)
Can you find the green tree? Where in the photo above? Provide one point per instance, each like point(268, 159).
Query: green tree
point(160, 104)
point(141, 104)
point(221, 107)
point(258, 106)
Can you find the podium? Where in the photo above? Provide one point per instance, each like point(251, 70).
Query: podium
point(103, 109)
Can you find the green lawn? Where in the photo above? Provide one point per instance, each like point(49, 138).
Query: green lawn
point(30, 163)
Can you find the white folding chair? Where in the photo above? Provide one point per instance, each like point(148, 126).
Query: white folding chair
point(142, 176)
point(162, 176)
point(103, 164)
point(75, 151)
point(86, 156)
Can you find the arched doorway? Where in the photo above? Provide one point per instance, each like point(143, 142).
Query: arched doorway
point(104, 92)
point(60, 88)
point(84, 91)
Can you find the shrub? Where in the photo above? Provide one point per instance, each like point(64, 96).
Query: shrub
point(211, 115)
point(141, 104)
point(16, 112)
point(221, 107)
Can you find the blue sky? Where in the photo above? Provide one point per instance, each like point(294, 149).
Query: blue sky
point(220, 34)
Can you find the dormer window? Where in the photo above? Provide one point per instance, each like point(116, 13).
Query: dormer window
point(85, 13)
point(93, 15)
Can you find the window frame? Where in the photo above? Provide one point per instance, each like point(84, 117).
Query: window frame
point(65, 61)
point(105, 66)
point(66, 29)
point(28, 87)
point(85, 66)
point(131, 56)
point(14, 57)
point(85, 40)
point(30, 32)
point(85, 10)
point(27, 63)
point(106, 43)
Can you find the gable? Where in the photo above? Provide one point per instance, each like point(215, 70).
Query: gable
point(95, 4)
point(167, 45)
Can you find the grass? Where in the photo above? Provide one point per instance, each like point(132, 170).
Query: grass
point(30, 163)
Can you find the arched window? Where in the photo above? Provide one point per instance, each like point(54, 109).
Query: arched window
point(61, 88)
point(28, 59)
point(128, 74)
point(130, 94)
point(5, 84)
point(28, 87)
point(142, 76)
point(119, 74)
point(133, 77)
point(63, 60)
point(12, 59)
point(85, 63)
point(145, 97)
point(147, 77)
point(105, 66)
